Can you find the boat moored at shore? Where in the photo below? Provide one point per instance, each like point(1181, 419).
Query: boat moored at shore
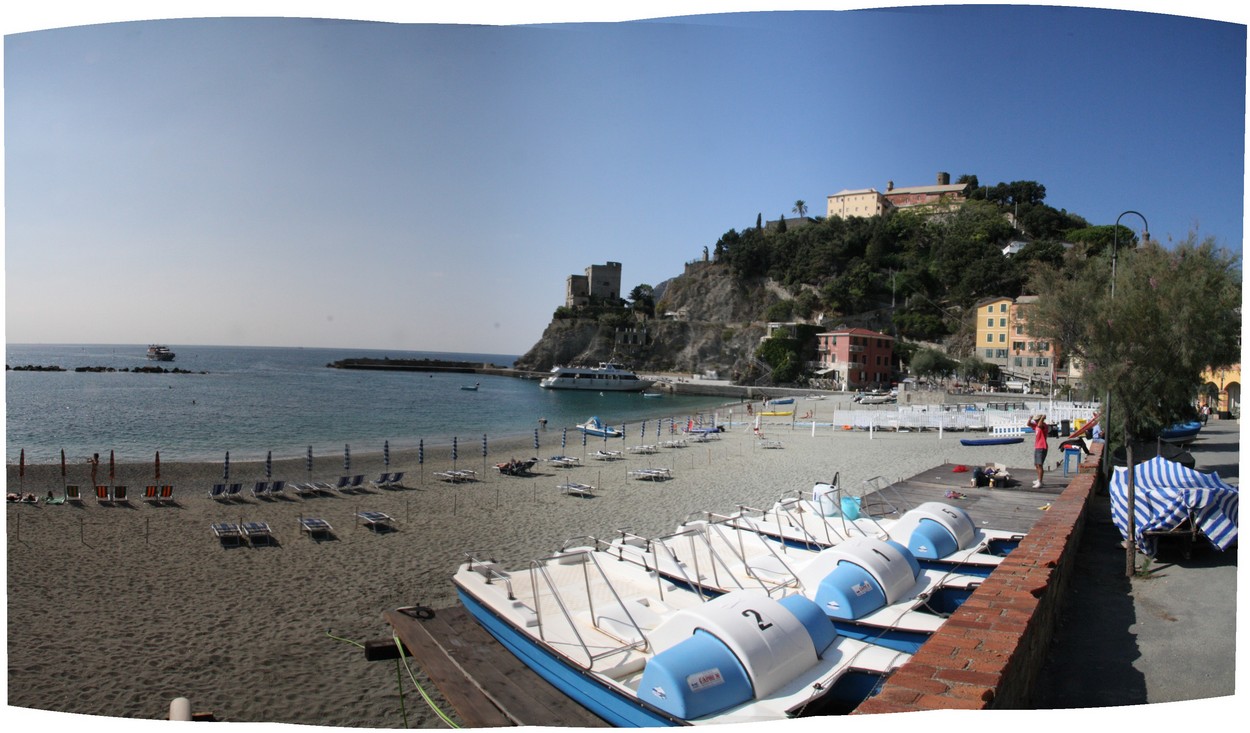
point(607, 377)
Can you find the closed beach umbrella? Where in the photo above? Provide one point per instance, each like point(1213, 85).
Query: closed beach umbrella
point(453, 449)
point(421, 452)
point(95, 465)
point(112, 473)
point(308, 462)
point(269, 465)
point(62, 463)
point(622, 431)
point(564, 438)
point(583, 439)
point(642, 434)
point(225, 471)
point(535, 439)
point(386, 453)
point(483, 445)
point(347, 458)
point(21, 469)
point(158, 466)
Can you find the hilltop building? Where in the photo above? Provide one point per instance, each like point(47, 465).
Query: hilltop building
point(867, 202)
point(601, 282)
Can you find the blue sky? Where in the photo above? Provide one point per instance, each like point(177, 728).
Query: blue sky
point(344, 183)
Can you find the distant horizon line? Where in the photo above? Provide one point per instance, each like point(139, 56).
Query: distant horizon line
point(253, 346)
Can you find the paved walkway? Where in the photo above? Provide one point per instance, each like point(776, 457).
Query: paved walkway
point(1165, 637)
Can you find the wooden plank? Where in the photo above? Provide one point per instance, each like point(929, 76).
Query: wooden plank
point(486, 684)
point(474, 708)
point(529, 697)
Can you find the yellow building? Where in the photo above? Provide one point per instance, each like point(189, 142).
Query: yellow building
point(1225, 382)
point(993, 331)
point(863, 202)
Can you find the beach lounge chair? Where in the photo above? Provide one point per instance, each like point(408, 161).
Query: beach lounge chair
point(397, 480)
point(167, 494)
point(358, 481)
point(382, 481)
point(259, 489)
point(217, 492)
point(119, 495)
point(102, 495)
point(321, 487)
point(344, 485)
point(228, 531)
point(72, 495)
point(152, 494)
point(572, 488)
point(233, 490)
point(253, 531)
point(376, 521)
point(277, 488)
point(315, 527)
point(303, 488)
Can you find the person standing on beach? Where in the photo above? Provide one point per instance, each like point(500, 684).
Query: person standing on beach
point(1040, 446)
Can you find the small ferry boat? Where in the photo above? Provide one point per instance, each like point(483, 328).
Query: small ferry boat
point(156, 352)
point(607, 377)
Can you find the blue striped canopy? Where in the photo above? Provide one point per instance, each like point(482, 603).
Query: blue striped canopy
point(1168, 493)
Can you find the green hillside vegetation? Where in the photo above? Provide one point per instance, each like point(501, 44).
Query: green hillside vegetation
point(932, 265)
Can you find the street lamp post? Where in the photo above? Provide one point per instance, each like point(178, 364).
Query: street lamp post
point(1131, 541)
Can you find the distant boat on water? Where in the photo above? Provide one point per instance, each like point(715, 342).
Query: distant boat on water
point(607, 377)
point(471, 387)
point(156, 352)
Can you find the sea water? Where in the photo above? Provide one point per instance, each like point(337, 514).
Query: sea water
point(254, 400)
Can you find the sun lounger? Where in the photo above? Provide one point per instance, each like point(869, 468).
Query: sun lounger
point(456, 477)
point(564, 461)
point(102, 495)
point(572, 488)
point(260, 488)
point(119, 495)
point(233, 490)
point(344, 485)
point(228, 530)
point(383, 481)
point(313, 527)
point(72, 495)
point(253, 531)
point(643, 449)
point(606, 455)
point(217, 492)
point(376, 520)
point(277, 488)
point(397, 479)
point(152, 494)
point(651, 474)
point(302, 488)
point(321, 487)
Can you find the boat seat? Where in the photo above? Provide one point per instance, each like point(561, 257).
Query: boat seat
point(645, 612)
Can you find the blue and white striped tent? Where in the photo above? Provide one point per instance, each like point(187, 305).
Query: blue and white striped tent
point(1168, 493)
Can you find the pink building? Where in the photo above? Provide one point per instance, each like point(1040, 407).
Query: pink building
point(857, 358)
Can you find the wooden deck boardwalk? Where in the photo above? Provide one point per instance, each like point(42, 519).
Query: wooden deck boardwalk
point(488, 687)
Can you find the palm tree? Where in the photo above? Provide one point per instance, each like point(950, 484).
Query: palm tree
point(800, 208)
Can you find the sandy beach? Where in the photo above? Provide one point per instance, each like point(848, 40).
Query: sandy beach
point(116, 610)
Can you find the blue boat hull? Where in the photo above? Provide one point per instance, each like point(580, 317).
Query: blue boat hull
point(602, 700)
point(990, 441)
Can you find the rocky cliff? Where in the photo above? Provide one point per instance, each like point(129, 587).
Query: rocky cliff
point(706, 321)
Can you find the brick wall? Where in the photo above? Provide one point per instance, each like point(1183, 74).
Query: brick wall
point(989, 652)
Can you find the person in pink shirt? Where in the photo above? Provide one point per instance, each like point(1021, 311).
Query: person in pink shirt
point(1040, 433)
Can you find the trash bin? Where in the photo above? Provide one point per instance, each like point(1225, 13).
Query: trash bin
point(1065, 428)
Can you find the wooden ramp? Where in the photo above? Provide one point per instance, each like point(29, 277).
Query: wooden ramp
point(1014, 507)
point(482, 681)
